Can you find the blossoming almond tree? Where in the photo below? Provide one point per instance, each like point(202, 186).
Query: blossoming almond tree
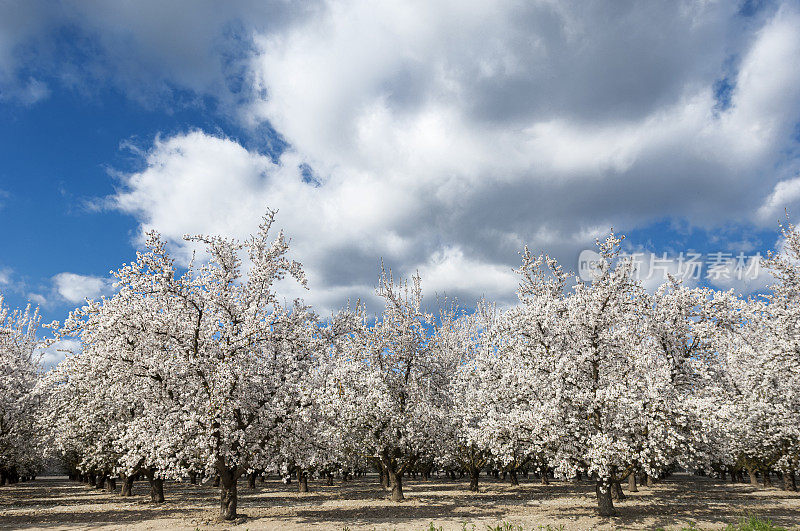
point(783, 360)
point(382, 386)
point(228, 359)
point(602, 375)
point(463, 407)
point(20, 369)
point(527, 341)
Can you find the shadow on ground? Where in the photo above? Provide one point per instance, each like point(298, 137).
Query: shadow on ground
point(56, 502)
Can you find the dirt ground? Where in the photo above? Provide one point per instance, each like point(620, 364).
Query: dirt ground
point(56, 503)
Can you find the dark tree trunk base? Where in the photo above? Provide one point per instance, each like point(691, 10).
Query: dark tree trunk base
point(616, 491)
point(513, 477)
point(605, 504)
point(789, 481)
point(156, 490)
point(127, 486)
point(632, 483)
point(396, 483)
point(227, 494)
point(474, 476)
point(302, 481)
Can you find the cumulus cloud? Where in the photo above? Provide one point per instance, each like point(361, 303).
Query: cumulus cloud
point(443, 136)
point(198, 183)
point(449, 271)
point(785, 195)
point(77, 288)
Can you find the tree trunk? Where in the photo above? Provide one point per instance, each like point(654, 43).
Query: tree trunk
point(384, 478)
point(651, 481)
point(765, 479)
point(513, 477)
point(330, 479)
point(789, 481)
point(545, 479)
point(302, 480)
point(227, 498)
point(192, 478)
point(100, 481)
point(396, 483)
point(632, 483)
point(111, 484)
point(474, 475)
point(605, 504)
point(127, 486)
point(156, 490)
point(216, 480)
point(616, 491)
point(753, 479)
point(251, 480)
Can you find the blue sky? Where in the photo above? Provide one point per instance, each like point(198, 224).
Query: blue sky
point(439, 136)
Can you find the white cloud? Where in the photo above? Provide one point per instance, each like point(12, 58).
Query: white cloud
point(445, 135)
point(785, 195)
point(449, 272)
point(5, 276)
point(54, 353)
point(549, 97)
point(38, 298)
point(77, 288)
point(743, 276)
point(197, 183)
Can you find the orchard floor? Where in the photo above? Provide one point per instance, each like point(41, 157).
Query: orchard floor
point(56, 503)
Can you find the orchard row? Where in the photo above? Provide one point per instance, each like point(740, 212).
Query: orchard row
point(204, 372)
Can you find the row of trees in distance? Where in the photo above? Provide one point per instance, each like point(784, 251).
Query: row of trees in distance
point(204, 372)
